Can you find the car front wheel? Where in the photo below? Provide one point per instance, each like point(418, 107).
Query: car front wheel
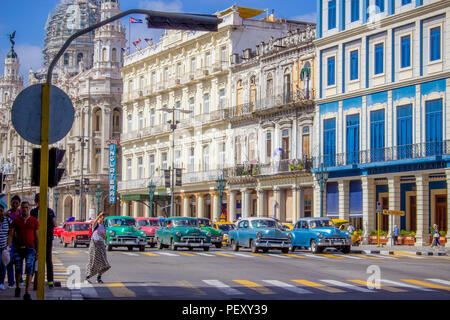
point(142, 248)
point(159, 244)
point(218, 245)
point(254, 247)
point(205, 248)
point(173, 247)
point(292, 248)
point(285, 250)
point(346, 249)
point(234, 246)
point(314, 247)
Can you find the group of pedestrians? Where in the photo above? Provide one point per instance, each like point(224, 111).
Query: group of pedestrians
point(19, 236)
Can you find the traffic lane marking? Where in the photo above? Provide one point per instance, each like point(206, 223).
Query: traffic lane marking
point(331, 256)
point(259, 255)
point(277, 255)
point(187, 254)
point(223, 287)
point(293, 255)
point(347, 285)
point(190, 286)
point(401, 284)
point(255, 286)
point(224, 254)
point(119, 290)
point(287, 286)
point(319, 286)
point(426, 284)
point(150, 254)
point(447, 283)
point(382, 286)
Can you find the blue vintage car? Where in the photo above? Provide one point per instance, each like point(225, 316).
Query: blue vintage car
point(259, 233)
point(318, 234)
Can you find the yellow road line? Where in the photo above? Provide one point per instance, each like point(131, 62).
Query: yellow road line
point(382, 286)
point(150, 254)
point(292, 255)
point(187, 254)
point(426, 284)
point(225, 255)
point(255, 286)
point(364, 256)
point(330, 256)
point(73, 252)
point(119, 290)
point(259, 255)
point(187, 284)
point(437, 257)
point(404, 252)
point(319, 286)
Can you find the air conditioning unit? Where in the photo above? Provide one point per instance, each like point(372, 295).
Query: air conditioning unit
point(234, 58)
point(247, 54)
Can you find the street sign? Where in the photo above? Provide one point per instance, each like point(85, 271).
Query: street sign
point(26, 114)
point(379, 206)
point(394, 213)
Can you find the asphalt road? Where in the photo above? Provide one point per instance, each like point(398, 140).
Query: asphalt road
point(226, 275)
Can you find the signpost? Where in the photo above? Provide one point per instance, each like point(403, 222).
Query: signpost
point(392, 213)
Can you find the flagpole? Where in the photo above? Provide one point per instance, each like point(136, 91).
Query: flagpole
point(129, 36)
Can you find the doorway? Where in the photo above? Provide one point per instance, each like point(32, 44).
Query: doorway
point(441, 212)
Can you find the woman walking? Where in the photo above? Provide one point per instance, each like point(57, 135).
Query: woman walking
point(97, 263)
point(436, 236)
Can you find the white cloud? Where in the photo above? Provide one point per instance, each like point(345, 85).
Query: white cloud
point(307, 17)
point(140, 30)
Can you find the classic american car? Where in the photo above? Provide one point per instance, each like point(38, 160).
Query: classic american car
point(318, 234)
point(216, 235)
point(123, 232)
point(185, 232)
point(225, 227)
point(259, 233)
point(149, 225)
point(76, 233)
point(57, 231)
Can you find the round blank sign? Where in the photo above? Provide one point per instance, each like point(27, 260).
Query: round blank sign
point(26, 114)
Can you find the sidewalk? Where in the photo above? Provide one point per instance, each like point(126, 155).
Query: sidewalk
point(388, 249)
point(62, 293)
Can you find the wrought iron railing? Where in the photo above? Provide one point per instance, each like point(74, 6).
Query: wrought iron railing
point(403, 152)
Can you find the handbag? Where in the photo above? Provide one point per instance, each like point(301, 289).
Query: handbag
point(5, 257)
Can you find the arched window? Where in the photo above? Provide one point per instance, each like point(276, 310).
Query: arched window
point(287, 86)
point(305, 76)
point(104, 52)
point(239, 97)
point(114, 55)
point(252, 92)
point(79, 58)
point(269, 87)
point(66, 59)
point(97, 120)
point(116, 122)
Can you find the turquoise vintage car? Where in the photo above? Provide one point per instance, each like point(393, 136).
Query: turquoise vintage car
point(178, 232)
point(123, 232)
point(216, 235)
point(317, 234)
point(259, 233)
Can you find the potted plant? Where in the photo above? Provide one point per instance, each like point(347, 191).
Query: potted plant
point(373, 237)
point(291, 165)
point(406, 237)
point(442, 238)
point(299, 165)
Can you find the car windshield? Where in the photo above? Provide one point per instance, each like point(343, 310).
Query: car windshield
point(321, 223)
point(183, 222)
point(122, 222)
point(81, 227)
point(204, 222)
point(226, 227)
point(148, 223)
point(264, 223)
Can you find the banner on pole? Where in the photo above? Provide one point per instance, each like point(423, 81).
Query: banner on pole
point(167, 178)
point(112, 173)
point(178, 177)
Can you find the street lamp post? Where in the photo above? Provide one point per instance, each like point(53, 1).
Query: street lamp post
point(221, 183)
point(151, 193)
point(173, 125)
point(98, 194)
point(322, 176)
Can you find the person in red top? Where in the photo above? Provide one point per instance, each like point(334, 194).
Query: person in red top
point(24, 235)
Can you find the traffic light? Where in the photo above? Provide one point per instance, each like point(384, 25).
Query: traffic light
point(54, 173)
point(180, 21)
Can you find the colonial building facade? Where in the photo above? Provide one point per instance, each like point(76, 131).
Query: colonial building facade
point(382, 112)
point(187, 71)
point(271, 122)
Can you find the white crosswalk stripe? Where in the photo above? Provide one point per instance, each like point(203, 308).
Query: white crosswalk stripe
point(287, 286)
point(380, 256)
point(223, 287)
point(314, 256)
point(204, 254)
point(130, 254)
point(168, 254)
point(242, 255)
point(444, 282)
point(401, 284)
point(88, 290)
point(278, 256)
point(349, 257)
point(347, 285)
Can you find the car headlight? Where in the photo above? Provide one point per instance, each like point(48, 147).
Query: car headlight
point(208, 234)
point(112, 233)
point(320, 235)
point(258, 235)
point(289, 236)
point(143, 234)
point(178, 234)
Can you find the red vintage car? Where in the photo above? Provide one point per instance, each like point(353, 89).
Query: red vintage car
point(149, 225)
point(57, 231)
point(76, 233)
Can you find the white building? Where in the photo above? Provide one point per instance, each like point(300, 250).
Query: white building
point(383, 112)
point(189, 71)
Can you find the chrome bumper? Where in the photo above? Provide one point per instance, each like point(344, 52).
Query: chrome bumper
point(270, 244)
point(127, 243)
point(333, 243)
point(192, 244)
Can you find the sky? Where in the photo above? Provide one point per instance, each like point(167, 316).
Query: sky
point(28, 18)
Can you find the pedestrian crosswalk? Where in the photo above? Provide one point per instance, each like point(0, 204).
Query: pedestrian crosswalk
point(260, 289)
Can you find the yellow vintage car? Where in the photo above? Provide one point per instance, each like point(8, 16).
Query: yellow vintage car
point(225, 227)
point(289, 226)
point(340, 222)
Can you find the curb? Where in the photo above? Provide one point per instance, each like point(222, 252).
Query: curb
point(76, 294)
point(392, 252)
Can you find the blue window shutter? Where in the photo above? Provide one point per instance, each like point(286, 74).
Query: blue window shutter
point(331, 14)
point(405, 2)
point(355, 198)
point(355, 10)
point(377, 135)
point(354, 65)
point(380, 6)
point(331, 71)
point(435, 44)
point(379, 52)
point(433, 127)
point(352, 139)
point(404, 132)
point(332, 199)
point(406, 51)
point(329, 142)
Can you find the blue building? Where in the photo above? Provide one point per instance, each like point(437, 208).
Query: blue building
point(383, 112)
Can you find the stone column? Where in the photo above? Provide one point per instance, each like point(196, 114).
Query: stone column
point(422, 203)
point(135, 209)
point(277, 196)
point(295, 203)
point(316, 192)
point(215, 206)
point(301, 202)
point(186, 206)
point(368, 206)
point(125, 205)
point(246, 205)
point(146, 211)
point(260, 212)
point(232, 206)
point(344, 199)
point(394, 201)
point(200, 205)
point(447, 173)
